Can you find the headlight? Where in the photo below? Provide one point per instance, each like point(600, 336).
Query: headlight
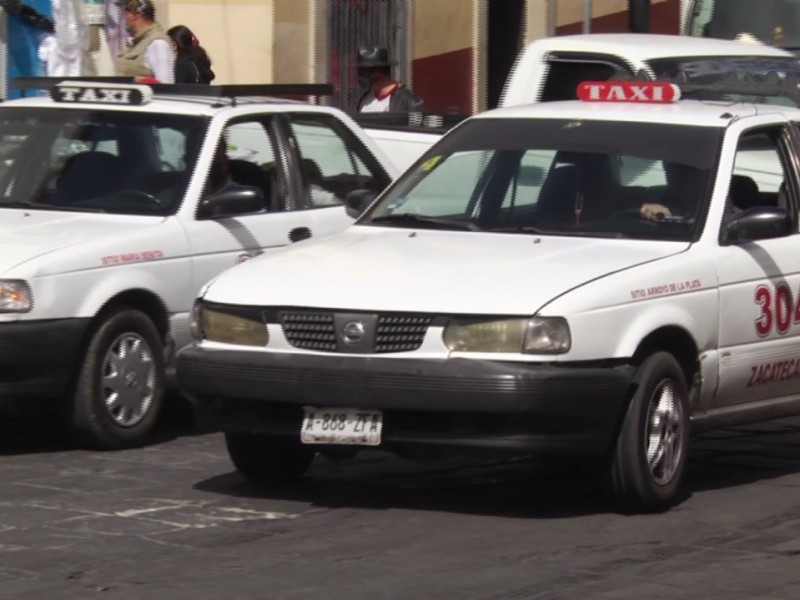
point(15, 296)
point(538, 335)
point(218, 325)
point(547, 335)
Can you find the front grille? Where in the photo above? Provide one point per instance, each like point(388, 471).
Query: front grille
point(394, 332)
point(398, 333)
point(309, 330)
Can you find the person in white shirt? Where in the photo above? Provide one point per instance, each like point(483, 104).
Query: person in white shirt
point(149, 56)
point(383, 93)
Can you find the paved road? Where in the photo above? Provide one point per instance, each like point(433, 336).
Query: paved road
point(174, 521)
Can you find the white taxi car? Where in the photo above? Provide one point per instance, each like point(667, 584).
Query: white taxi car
point(597, 278)
point(118, 201)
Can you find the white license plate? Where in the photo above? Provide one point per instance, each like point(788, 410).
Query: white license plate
point(341, 426)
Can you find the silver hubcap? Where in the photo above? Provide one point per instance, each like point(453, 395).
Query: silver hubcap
point(128, 379)
point(665, 435)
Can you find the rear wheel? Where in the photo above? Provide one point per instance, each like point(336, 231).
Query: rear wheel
point(262, 457)
point(120, 384)
point(650, 454)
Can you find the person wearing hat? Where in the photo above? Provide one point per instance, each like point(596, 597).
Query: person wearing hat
point(383, 94)
point(149, 54)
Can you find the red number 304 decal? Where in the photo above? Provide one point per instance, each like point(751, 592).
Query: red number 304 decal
point(778, 309)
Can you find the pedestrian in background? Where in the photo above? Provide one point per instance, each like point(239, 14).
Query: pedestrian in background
point(192, 64)
point(148, 55)
point(383, 93)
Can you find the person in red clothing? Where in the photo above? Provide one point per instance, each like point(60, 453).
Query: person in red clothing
point(383, 93)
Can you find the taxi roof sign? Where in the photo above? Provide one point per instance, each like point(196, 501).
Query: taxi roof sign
point(637, 92)
point(91, 92)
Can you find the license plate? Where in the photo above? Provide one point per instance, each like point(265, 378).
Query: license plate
point(341, 426)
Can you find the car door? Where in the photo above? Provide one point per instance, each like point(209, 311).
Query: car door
point(759, 281)
point(329, 162)
point(257, 156)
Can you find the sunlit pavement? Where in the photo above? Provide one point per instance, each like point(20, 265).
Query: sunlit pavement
point(172, 520)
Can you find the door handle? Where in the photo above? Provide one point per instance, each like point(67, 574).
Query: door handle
point(298, 234)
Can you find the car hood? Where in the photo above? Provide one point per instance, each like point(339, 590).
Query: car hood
point(25, 235)
point(371, 268)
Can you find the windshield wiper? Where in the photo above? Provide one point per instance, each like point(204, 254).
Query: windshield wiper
point(516, 229)
point(71, 208)
point(412, 220)
point(25, 204)
point(594, 233)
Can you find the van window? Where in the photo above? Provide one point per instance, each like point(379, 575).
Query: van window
point(563, 77)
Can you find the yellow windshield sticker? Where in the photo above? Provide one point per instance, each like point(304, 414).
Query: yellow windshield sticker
point(431, 163)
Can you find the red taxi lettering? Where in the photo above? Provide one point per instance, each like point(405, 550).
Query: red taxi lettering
point(674, 287)
point(779, 309)
point(643, 92)
point(118, 259)
point(774, 372)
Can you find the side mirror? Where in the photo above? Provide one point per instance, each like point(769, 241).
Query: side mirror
point(231, 201)
point(357, 201)
point(758, 223)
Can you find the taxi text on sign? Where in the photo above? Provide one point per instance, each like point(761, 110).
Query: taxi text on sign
point(644, 92)
point(107, 94)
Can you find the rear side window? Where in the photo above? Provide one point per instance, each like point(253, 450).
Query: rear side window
point(333, 161)
point(563, 77)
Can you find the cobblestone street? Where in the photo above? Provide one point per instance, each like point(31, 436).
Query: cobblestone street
point(173, 520)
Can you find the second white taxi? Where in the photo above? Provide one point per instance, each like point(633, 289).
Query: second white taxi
point(598, 278)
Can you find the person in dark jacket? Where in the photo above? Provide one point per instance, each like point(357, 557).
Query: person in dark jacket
point(383, 93)
point(192, 64)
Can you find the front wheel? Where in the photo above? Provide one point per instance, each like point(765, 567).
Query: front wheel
point(262, 457)
point(120, 384)
point(650, 454)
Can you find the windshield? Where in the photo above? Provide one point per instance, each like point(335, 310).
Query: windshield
point(774, 22)
point(559, 177)
point(723, 70)
point(96, 161)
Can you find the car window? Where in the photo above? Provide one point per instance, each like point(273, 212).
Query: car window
point(333, 161)
point(757, 158)
point(527, 183)
point(250, 152)
point(565, 73)
point(560, 177)
point(109, 161)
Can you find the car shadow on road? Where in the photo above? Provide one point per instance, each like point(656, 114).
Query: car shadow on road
point(510, 488)
point(725, 459)
point(41, 433)
point(745, 454)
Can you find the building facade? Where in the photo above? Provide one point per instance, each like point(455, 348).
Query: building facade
point(454, 53)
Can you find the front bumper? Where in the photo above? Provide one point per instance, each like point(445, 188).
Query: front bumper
point(38, 358)
point(457, 403)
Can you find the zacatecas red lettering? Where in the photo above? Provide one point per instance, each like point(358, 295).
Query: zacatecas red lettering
point(774, 372)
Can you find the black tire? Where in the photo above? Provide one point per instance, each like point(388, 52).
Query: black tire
point(650, 453)
point(261, 457)
point(120, 385)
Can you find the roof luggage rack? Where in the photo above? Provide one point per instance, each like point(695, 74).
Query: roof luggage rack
point(299, 91)
point(415, 121)
point(46, 83)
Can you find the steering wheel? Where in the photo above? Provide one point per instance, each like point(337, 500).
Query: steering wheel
point(634, 213)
